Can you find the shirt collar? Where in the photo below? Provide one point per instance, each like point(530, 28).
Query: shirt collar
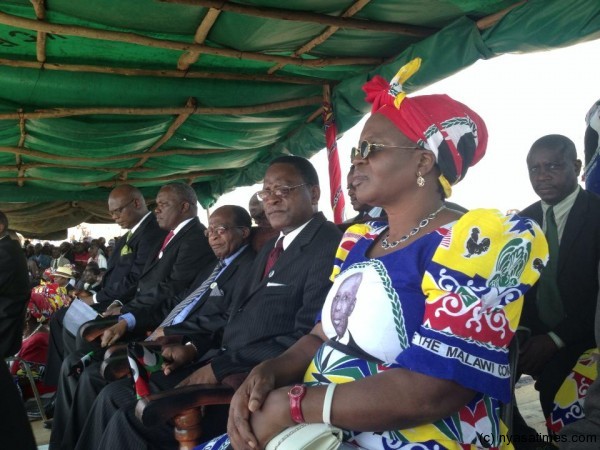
point(137, 225)
point(228, 260)
point(289, 238)
point(181, 225)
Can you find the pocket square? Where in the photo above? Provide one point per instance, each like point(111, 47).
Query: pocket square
point(269, 284)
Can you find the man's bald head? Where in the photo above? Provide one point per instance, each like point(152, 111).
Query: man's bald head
point(126, 205)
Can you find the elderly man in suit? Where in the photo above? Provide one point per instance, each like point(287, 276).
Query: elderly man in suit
point(169, 271)
point(14, 294)
point(128, 209)
point(277, 303)
point(559, 311)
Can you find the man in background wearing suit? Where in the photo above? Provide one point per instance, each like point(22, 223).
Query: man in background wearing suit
point(14, 294)
point(127, 207)
point(559, 310)
point(169, 271)
point(278, 303)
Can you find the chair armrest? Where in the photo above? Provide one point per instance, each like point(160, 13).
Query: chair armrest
point(159, 408)
point(93, 329)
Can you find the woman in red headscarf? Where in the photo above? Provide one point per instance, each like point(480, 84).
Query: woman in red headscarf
point(411, 347)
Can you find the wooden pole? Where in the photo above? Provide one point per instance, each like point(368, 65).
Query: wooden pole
point(25, 167)
point(40, 14)
point(309, 17)
point(163, 73)
point(113, 183)
point(180, 120)
point(189, 58)
point(356, 7)
point(125, 157)
point(118, 36)
point(167, 111)
point(493, 19)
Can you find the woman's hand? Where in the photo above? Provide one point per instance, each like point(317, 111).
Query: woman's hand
point(272, 418)
point(248, 399)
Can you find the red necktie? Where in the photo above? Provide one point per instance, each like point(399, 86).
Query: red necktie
point(273, 256)
point(168, 237)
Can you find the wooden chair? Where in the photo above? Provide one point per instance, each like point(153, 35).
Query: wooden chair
point(183, 407)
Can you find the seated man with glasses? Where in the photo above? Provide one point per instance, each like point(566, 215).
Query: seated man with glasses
point(199, 314)
point(276, 305)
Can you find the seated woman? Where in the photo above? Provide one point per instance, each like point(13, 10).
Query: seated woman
point(34, 348)
point(415, 330)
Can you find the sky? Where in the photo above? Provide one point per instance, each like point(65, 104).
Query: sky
point(521, 97)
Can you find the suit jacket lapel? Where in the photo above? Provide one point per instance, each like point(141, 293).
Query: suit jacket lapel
point(290, 254)
point(171, 245)
point(575, 222)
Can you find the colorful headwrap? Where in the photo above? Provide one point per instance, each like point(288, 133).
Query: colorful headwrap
point(452, 131)
point(40, 307)
point(591, 173)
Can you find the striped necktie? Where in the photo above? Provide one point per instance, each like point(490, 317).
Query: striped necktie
point(199, 292)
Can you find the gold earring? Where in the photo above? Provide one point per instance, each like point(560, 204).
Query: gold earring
point(420, 179)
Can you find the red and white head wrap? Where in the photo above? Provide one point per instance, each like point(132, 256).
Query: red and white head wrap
point(452, 131)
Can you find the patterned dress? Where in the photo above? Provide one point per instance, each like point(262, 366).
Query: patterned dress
point(447, 306)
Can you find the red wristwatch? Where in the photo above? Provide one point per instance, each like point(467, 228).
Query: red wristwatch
point(296, 394)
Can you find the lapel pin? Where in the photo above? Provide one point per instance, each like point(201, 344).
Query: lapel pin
point(213, 285)
point(271, 273)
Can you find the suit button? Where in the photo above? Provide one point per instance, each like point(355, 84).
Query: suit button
point(223, 349)
point(138, 289)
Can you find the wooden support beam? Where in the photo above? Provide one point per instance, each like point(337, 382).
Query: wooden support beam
point(356, 7)
point(163, 73)
point(179, 120)
point(131, 38)
point(493, 19)
point(310, 17)
point(125, 157)
point(167, 111)
point(25, 167)
point(181, 176)
point(40, 13)
point(21, 144)
point(189, 58)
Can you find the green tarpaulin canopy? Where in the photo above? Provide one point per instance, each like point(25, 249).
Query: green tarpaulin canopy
point(97, 93)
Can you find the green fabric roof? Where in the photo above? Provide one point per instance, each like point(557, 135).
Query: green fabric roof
point(93, 94)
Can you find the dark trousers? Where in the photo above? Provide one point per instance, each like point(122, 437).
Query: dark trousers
point(112, 423)
point(75, 397)
point(15, 430)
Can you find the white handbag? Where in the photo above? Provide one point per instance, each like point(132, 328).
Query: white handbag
point(307, 436)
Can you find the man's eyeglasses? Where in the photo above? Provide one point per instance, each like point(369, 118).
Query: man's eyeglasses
point(281, 192)
point(366, 147)
point(118, 211)
point(220, 230)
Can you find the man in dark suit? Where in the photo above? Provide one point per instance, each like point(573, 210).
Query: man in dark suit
point(128, 209)
point(278, 304)
point(202, 313)
point(14, 294)
point(559, 310)
point(170, 272)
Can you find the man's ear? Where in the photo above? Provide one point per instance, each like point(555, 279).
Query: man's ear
point(315, 194)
